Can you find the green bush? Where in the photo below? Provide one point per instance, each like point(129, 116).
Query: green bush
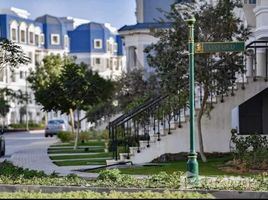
point(65, 136)
point(94, 135)
point(250, 151)
point(111, 195)
point(112, 175)
point(8, 169)
point(30, 125)
point(9, 174)
point(84, 136)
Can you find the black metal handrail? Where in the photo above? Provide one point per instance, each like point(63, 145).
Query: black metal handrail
point(126, 121)
point(122, 117)
point(141, 109)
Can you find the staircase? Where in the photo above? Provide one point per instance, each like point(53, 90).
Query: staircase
point(145, 133)
point(148, 131)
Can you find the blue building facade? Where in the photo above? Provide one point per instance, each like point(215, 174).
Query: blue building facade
point(52, 33)
point(96, 44)
point(90, 34)
point(55, 32)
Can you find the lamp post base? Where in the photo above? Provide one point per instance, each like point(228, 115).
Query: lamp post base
point(192, 168)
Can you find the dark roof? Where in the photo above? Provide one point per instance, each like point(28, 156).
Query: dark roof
point(48, 19)
point(145, 26)
point(90, 25)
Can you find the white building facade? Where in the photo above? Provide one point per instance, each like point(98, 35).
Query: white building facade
point(53, 35)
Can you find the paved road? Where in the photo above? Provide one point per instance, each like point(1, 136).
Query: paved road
point(29, 150)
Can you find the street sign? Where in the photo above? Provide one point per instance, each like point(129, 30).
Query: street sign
point(213, 47)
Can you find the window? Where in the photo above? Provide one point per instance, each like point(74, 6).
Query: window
point(14, 34)
point(31, 38)
point(2, 75)
point(30, 114)
point(108, 63)
point(97, 61)
point(66, 41)
point(37, 41)
point(13, 117)
point(21, 75)
point(115, 47)
point(118, 64)
point(109, 46)
point(97, 43)
point(249, 1)
point(30, 98)
point(13, 77)
point(42, 39)
point(23, 36)
point(30, 55)
point(55, 39)
point(37, 59)
point(111, 64)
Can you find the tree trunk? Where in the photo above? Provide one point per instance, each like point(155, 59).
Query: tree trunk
point(77, 132)
point(72, 122)
point(199, 125)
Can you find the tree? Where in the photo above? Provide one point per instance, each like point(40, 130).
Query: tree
point(11, 55)
point(84, 88)
point(6, 95)
point(62, 85)
point(132, 87)
point(214, 73)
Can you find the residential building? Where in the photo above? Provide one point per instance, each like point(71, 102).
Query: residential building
point(244, 109)
point(98, 45)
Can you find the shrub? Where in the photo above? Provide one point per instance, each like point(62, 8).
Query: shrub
point(30, 125)
point(84, 136)
point(8, 169)
point(112, 175)
point(111, 195)
point(65, 136)
point(250, 151)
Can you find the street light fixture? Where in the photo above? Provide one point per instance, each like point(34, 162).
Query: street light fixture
point(192, 164)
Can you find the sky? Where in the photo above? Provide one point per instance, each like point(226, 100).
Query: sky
point(116, 12)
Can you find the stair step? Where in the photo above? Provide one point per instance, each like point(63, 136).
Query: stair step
point(124, 156)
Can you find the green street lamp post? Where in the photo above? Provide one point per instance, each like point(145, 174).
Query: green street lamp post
point(192, 164)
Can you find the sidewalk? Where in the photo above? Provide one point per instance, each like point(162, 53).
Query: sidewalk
point(29, 150)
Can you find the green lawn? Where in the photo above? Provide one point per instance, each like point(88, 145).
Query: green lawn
point(90, 150)
point(81, 162)
point(97, 147)
point(90, 143)
point(97, 155)
point(210, 168)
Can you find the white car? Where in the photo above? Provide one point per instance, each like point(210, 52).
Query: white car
point(54, 126)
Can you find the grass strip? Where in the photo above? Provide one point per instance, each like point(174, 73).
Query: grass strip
point(81, 162)
point(81, 147)
point(110, 195)
point(98, 155)
point(209, 168)
point(99, 150)
point(90, 143)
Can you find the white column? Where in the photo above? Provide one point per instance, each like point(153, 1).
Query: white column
point(249, 66)
point(260, 70)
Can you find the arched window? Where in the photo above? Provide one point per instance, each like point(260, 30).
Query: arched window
point(31, 34)
point(23, 30)
point(37, 36)
point(14, 31)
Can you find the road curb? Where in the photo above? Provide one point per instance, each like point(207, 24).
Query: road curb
point(54, 189)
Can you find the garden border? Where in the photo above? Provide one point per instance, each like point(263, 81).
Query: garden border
point(222, 194)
